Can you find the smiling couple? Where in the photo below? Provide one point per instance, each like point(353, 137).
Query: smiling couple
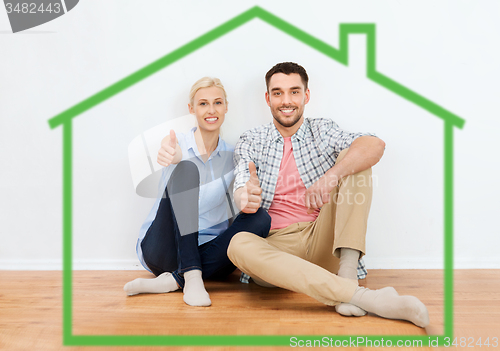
point(292, 181)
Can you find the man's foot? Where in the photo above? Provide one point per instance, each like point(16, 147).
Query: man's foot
point(348, 268)
point(194, 289)
point(349, 310)
point(387, 303)
point(163, 283)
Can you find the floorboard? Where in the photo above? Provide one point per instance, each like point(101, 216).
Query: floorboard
point(31, 309)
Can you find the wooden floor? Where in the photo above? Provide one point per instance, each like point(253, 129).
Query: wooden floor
point(31, 308)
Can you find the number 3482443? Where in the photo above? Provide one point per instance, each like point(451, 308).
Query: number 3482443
point(26, 7)
point(471, 342)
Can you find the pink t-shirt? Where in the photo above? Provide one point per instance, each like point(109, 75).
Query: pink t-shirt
point(288, 204)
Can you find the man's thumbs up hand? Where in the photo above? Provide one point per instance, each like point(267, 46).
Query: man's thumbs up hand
point(254, 179)
point(170, 151)
point(250, 197)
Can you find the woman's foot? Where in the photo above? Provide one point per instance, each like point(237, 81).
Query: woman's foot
point(163, 283)
point(194, 289)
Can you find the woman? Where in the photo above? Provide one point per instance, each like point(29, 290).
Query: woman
point(185, 237)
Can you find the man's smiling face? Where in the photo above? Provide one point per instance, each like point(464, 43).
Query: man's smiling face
point(287, 99)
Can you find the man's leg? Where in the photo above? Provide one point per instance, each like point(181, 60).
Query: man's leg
point(336, 240)
point(260, 258)
point(279, 260)
point(342, 222)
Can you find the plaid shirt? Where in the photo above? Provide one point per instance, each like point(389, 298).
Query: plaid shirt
point(316, 146)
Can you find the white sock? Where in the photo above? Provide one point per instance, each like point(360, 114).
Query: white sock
point(348, 265)
point(194, 289)
point(348, 268)
point(163, 283)
point(387, 303)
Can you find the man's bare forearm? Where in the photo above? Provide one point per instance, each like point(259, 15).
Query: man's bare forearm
point(365, 152)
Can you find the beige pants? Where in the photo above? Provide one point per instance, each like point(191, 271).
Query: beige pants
point(304, 257)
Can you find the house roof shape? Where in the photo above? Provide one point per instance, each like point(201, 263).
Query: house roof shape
point(340, 55)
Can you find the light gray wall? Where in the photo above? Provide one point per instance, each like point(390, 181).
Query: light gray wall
point(446, 51)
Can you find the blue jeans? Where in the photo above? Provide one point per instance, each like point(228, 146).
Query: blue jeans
point(164, 248)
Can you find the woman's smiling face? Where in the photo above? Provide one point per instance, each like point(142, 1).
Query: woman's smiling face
point(209, 107)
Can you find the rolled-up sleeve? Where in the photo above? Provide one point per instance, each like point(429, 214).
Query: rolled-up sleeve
point(340, 139)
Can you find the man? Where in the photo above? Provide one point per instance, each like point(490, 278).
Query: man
point(315, 181)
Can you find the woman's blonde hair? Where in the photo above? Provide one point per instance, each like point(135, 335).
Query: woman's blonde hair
point(206, 82)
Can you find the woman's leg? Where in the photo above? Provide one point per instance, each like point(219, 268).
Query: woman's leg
point(184, 192)
point(171, 243)
point(159, 252)
point(213, 254)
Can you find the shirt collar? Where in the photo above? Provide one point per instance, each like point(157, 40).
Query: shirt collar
point(191, 142)
point(275, 134)
point(219, 147)
point(300, 134)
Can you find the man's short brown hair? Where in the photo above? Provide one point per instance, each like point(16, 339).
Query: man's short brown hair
point(288, 68)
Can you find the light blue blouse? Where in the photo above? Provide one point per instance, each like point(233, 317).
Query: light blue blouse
point(214, 211)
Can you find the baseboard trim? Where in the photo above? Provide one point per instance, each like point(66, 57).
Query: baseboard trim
point(371, 263)
point(78, 265)
point(431, 263)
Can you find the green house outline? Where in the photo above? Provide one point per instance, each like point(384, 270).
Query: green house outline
point(340, 55)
